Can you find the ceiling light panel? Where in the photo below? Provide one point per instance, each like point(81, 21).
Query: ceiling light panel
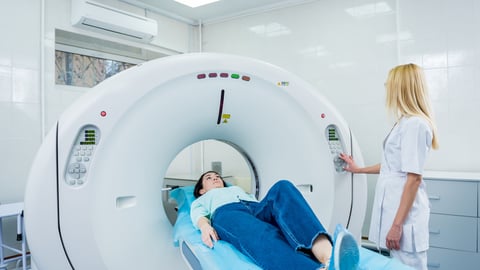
point(195, 3)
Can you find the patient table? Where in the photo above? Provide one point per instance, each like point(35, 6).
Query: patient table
point(224, 256)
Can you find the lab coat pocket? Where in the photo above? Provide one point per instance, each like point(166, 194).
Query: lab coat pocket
point(408, 240)
point(414, 238)
point(421, 237)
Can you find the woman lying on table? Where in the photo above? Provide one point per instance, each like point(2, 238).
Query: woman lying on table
point(279, 232)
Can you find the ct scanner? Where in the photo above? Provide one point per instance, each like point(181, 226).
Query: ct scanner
point(94, 195)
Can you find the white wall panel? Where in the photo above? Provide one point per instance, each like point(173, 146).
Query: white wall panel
point(19, 100)
point(19, 94)
point(444, 40)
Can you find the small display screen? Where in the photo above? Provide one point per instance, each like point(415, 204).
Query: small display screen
point(87, 143)
point(90, 137)
point(332, 134)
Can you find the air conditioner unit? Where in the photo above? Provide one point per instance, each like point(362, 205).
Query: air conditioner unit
point(95, 16)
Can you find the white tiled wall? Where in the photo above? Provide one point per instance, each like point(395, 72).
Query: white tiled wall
point(19, 94)
point(346, 49)
point(445, 40)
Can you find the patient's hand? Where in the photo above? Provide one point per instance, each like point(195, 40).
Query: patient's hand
point(209, 235)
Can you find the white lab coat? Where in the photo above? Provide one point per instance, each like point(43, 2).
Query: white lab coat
point(404, 150)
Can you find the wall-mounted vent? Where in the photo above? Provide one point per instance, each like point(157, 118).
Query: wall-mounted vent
point(98, 17)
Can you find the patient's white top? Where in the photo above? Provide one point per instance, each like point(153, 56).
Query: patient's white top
point(205, 205)
point(404, 151)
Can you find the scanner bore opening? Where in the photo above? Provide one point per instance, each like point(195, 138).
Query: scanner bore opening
point(225, 157)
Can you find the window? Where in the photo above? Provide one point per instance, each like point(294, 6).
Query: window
point(83, 70)
point(85, 61)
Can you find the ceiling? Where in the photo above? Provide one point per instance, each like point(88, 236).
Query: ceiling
point(214, 12)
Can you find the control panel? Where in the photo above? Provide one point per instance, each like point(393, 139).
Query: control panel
point(81, 155)
point(336, 146)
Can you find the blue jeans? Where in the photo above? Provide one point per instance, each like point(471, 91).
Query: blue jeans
point(276, 233)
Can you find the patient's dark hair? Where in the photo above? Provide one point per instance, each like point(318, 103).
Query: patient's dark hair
point(199, 184)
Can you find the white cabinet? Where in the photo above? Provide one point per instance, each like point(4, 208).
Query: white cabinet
point(454, 220)
point(453, 232)
point(441, 258)
point(452, 197)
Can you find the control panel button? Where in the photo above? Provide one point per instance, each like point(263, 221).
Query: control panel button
point(81, 156)
point(336, 145)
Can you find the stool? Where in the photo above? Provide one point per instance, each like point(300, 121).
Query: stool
point(12, 210)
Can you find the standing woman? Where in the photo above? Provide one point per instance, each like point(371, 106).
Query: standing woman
point(401, 209)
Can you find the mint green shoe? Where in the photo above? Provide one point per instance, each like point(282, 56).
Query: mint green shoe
point(345, 252)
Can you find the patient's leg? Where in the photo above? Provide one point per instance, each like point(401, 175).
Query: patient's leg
point(322, 249)
point(263, 242)
point(286, 207)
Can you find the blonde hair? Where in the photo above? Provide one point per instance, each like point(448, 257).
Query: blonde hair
point(407, 95)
